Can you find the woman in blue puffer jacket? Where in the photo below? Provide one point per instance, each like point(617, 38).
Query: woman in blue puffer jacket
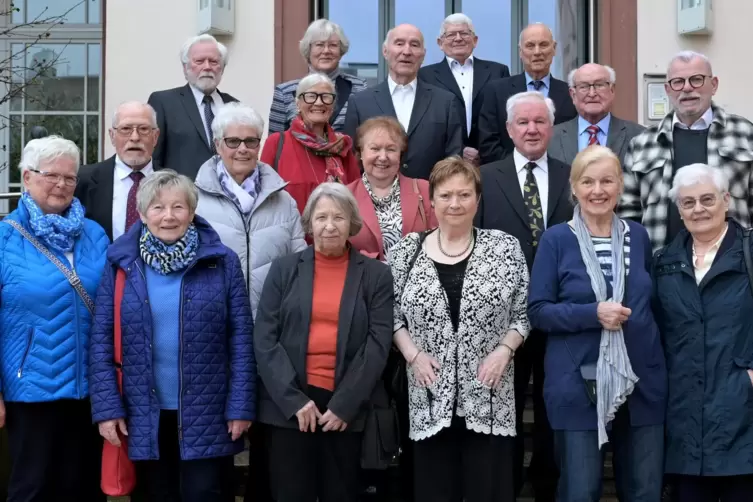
point(44, 329)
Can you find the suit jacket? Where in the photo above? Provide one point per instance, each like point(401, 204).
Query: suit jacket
point(494, 142)
point(484, 72)
point(281, 336)
point(502, 206)
point(564, 143)
point(182, 143)
point(95, 192)
point(435, 131)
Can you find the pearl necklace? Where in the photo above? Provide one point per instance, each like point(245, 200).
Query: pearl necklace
point(448, 255)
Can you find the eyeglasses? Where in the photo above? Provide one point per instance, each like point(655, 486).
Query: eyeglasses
point(250, 143)
point(451, 35)
point(688, 203)
point(310, 97)
point(54, 178)
point(585, 88)
point(127, 131)
point(696, 81)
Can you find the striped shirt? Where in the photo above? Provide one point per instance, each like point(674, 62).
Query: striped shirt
point(603, 248)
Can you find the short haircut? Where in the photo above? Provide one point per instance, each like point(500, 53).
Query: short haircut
point(389, 35)
point(528, 97)
point(188, 45)
point(695, 174)
point(321, 30)
point(687, 57)
point(384, 123)
point(453, 166)
point(520, 37)
point(310, 81)
point(236, 114)
point(116, 115)
point(165, 179)
point(48, 149)
point(457, 18)
point(591, 155)
point(610, 71)
point(341, 196)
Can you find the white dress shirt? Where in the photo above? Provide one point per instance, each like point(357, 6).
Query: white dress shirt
point(403, 97)
point(216, 105)
point(703, 264)
point(121, 185)
point(464, 77)
point(541, 173)
point(699, 125)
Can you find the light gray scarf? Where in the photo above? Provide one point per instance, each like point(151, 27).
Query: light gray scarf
point(615, 379)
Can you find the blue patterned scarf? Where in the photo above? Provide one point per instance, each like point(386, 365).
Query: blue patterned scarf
point(56, 231)
point(166, 258)
point(243, 195)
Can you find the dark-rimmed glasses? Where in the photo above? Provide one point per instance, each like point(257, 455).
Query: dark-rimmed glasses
point(250, 143)
point(54, 178)
point(706, 200)
point(310, 97)
point(696, 81)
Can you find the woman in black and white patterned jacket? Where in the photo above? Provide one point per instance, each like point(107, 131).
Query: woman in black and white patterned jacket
point(460, 314)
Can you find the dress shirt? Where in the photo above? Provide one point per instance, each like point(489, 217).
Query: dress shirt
point(216, 105)
point(584, 136)
point(121, 184)
point(464, 77)
point(403, 97)
point(699, 125)
point(541, 173)
point(544, 89)
point(708, 258)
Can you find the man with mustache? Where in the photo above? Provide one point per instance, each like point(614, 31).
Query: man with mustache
point(697, 131)
point(592, 87)
point(185, 114)
point(536, 48)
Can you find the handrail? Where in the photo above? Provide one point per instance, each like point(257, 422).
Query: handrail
point(10, 195)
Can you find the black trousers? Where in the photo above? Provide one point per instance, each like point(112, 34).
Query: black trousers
point(714, 489)
point(55, 452)
point(542, 473)
point(171, 479)
point(459, 465)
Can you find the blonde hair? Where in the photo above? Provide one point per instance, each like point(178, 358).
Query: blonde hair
point(592, 155)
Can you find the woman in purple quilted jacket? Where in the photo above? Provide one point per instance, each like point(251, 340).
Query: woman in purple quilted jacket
point(189, 374)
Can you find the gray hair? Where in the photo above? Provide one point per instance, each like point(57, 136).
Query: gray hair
point(310, 81)
point(341, 196)
point(184, 52)
point(116, 115)
point(457, 18)
point(48, 149)
point(236, 114)
point(389, 35)
point(163, 179)
point(320, 30)
point(520, 37)
point(610, 71)
point(687, 57)
point(695, 174)
point(528, 97)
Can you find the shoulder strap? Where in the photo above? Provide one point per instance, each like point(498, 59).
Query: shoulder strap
point(747, 255)
point(421, 209)
point(120, 278)
point(68, 273)
point(280, 141)
point(421, 239)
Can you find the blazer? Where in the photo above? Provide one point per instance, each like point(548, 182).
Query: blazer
point(364, 338)
point(564, 143)
point(182, 144)
point(494, 142)
point(369, 240)
point(502, 206)
point(435, 131)
point(440, 75)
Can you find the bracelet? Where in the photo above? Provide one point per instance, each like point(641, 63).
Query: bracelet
point(414, 358)
point(512, 351)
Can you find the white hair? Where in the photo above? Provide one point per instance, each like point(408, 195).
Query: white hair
point(610, 71)
point(236, 114)
point(528, 97)
point(321, 30)
point(185, 51)
point(341, 196)
point(695, 174)
point(48, 149)
point(116, 115)
point(520, 38)
point(310, 81)
point(457, 18)
point(153, 184)
point(687, 57)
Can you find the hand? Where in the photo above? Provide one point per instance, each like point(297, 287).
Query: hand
point(493, 366)
point(330, 422)
point(109, 430)
point(750, 375)
point(307, 417)
point(611, 314)
point(424, 367)
point(237, 427)
point(471, 155)
point(2, 412)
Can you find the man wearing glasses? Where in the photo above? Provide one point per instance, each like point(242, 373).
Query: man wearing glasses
point(696, 131)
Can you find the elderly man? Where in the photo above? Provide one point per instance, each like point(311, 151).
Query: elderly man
point(463, 74)
point(185, 114)
point(536, 48)
point(432, 117)
point(697, 131)
point(592, 89)
point(523, 195)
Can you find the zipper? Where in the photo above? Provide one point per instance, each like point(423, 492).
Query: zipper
point(180, 356)
point(30, 337)
point(78, 351)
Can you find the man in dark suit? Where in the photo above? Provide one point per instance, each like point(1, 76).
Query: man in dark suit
point(463, 74)
point(592, 88)
point(185, 114)
point(536, 48)
point(524, 194)
point(432, 117)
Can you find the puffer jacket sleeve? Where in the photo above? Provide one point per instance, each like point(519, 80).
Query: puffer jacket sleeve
point(297, 237)
point(241, 399)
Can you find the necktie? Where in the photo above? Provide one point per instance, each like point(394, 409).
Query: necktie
point(593, 139)
point(537, 84)
point(532, 201)
point(209, 116)
point(132, 215)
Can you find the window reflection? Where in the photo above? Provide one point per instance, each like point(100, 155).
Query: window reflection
point(55, 76)
point(362, 59)
point(427, 15)
point(562, 16)
point(94, 64)
point(492, 21)
point(30, 11)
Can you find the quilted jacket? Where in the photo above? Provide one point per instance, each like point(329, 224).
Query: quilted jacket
point(218, 369)
point(44, 325)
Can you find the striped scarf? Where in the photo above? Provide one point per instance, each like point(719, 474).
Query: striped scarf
point(615, 379)
point(167, 258)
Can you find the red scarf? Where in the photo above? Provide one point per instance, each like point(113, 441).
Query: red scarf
point(334, 149)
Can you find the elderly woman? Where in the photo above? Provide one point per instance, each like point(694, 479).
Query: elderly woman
point(52, 261)
point(460, 314)
point(392, 205)
point(703, 309)
point(605, 378)
point(323, 331)
point(188, 362)
point(322, 47)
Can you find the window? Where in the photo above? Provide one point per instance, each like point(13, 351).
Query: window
point(492, 21)
point(567, 20)
point(72, 11)
point(362, 59)
point(427, 15)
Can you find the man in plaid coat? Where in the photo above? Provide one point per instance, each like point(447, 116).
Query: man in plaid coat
point(697, 131)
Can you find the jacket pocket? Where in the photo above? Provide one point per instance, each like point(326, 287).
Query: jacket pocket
point(29, 343)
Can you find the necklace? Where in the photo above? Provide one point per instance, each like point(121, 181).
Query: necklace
point(316, 178)
point(448, 255)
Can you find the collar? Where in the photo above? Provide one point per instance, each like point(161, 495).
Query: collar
point(332, 76)
point(547, 80)
point(715, 247)
point(521, 161)
point(603, 124)
point(702, 123)
point(122, 171)
point(394, 85)
point(199, 95)
point(468, 62)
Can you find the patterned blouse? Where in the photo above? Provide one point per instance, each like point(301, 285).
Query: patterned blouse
point(389, 214)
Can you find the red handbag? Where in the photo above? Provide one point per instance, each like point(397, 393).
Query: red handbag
point(118, 472)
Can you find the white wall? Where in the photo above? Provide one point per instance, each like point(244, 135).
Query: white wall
point(142, 54)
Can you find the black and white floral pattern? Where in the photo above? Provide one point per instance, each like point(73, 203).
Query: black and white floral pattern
point(389, 213)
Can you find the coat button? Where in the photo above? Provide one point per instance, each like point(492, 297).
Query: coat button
point(154, 391)
point(146, 301)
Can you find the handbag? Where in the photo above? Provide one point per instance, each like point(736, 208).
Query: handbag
point(421, 209)
point(380, 443)
point(118, 471)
